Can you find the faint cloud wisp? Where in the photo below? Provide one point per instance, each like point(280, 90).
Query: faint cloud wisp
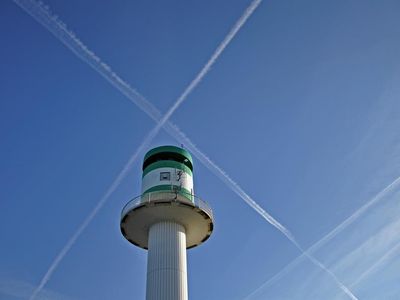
point(338, 229)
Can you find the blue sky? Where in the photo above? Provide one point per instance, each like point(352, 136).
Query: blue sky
point(301, 110)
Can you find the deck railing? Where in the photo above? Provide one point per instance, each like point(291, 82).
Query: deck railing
point(162, 196)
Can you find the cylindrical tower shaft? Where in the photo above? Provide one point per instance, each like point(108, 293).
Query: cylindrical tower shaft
point(166, 262)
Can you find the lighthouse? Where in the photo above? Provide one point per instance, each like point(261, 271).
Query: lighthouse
point(167, 219)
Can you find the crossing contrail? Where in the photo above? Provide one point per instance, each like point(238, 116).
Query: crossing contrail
point(45, 17)
point(344, 288)
point(338, 229)
point(59, 29)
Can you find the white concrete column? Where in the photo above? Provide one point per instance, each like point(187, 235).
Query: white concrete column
point(166, 262)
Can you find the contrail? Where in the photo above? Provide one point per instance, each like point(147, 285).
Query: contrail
point(174, 131)
point(117, 181)
point(377, 264)
point(232, 33)
point(42, 14)
point(45, 17)
point(338, 229)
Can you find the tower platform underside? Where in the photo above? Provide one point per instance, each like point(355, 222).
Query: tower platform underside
point(141, 213)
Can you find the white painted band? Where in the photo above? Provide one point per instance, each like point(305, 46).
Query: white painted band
point(177, 177)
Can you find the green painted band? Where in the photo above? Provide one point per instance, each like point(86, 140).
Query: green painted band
point(169, 149)
point(168, 188)
point(167, 164)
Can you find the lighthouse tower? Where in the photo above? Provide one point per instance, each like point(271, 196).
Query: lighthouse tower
point(166, 219)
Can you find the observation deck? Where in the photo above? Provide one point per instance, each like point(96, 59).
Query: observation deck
point(149, 208)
